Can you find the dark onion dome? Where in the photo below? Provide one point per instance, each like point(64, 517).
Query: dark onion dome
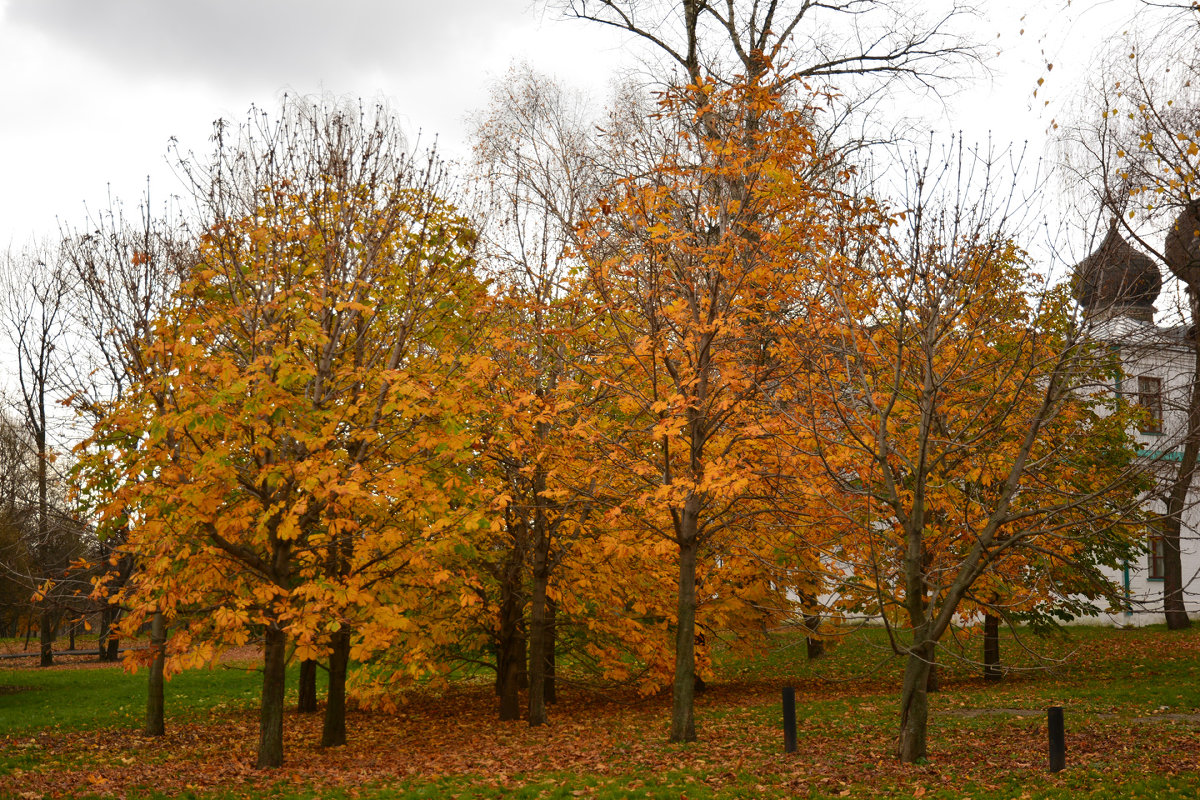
point(1118, 278)
point(1182, 250)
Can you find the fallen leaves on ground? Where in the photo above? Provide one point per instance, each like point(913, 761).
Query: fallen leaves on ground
point(845, 744)
point(457, 734)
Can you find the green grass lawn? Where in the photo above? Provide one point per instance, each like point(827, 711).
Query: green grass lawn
point(85, 699)
point(1132, 700)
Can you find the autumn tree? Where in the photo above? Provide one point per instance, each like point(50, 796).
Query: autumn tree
point(973, 455)
point(539, 163)
point(124, 272)
point(693, 265)
point(309, 403)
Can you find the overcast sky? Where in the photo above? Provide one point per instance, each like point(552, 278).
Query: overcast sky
point(91, 91)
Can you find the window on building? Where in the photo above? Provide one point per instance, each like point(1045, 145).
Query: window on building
point(1155, 557)
point(1150, 399)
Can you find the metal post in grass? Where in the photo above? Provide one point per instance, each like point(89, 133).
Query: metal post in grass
point(1058, 741)
point(789, 719)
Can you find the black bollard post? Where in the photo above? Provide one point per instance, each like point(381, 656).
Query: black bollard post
point(1058, 741)
point(789, 719)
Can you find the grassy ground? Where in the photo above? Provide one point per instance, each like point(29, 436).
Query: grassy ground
point(1132, 700)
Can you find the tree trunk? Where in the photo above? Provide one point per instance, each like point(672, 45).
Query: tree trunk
point(155, 707)
point(510, 651)
point(270, 721)
point(112, 649)
point(334, 731)
point(46, 638)
point(538, 622)
point(933, 680)
point(102, 634)
point(510, 643)
point(48, 626)
point(1173, 603)
point(814, 647)
point(521, 653)
point(510, 681)
point(991, 648)
point(307, 702)
point(914, 705)
point(110, 644)
point(551, 690)
point(537, 660)
point(683, 726)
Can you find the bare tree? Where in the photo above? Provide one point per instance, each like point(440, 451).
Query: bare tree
point(18, 569)
point(825, 40)
point(37, 292)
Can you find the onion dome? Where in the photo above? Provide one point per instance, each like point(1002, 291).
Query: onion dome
point(1118, 280)
point(1182, 250)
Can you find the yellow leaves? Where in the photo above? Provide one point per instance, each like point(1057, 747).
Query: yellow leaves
point(294, 458)
point(480, 366)
point(308, 651)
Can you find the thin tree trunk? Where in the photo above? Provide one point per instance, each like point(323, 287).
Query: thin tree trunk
point(991, 648)
point(537, 658)
point(307, 702)
point(683, 726)
point(551, 690)
point(110, 644)
point(1174, 607)
point(46, 634)
point(814, 647)
point(537, 614)
point(112, 648)
point(914, 705)
point(521, 653)
point(510, 644)
point(334, 731)
point(511, 649)
point(155, 707)
point(270, 740)
point(46, 638)
point(102, 634)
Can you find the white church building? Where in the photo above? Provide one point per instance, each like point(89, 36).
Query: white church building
point(1117, 287)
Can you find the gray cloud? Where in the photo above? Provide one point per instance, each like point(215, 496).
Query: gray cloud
point(270, 43)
